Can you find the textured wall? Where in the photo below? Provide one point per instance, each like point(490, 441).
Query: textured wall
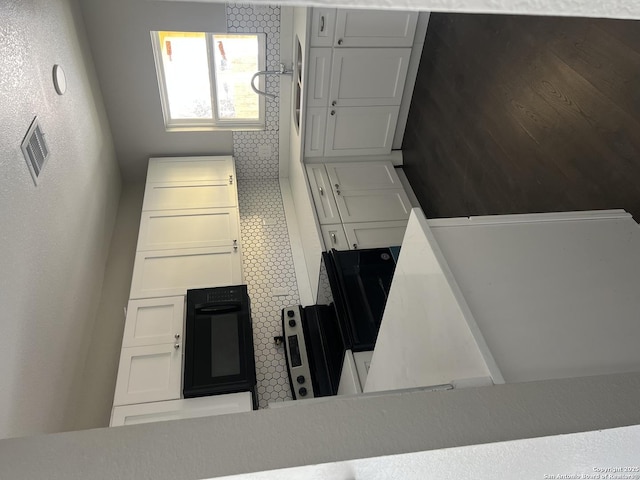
point(54, 237)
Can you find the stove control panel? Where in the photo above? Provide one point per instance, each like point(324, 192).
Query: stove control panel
point(296, 351)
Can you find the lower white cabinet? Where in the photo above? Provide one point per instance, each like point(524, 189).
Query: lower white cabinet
point(334, 237)
point(184, 408)
point(192, 228)
point(359, 205)
point(149, 373)
point(373, 205)
point(374, 234)
point(164, 273)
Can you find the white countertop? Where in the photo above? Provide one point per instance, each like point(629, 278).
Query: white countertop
point(428, 335)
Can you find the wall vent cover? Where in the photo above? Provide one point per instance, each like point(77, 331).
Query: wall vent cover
point(35, 150)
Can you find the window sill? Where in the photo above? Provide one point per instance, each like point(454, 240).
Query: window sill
point(235, 128)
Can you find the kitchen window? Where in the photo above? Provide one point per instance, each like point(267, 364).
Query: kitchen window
point(204, 80)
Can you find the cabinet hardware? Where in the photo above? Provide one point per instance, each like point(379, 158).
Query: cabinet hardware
point(337, 186)
point(333, 104)
point(333, 238)
point(337, 192)
point(355, 246)
point(230, 179)
point(322, 24)
point(176, 336)
point(333, 112)
point(235, 242)
point(176, 346)
point(340, 42)
point(321, 190)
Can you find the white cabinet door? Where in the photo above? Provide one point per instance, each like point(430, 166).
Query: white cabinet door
point(362, 176)
point(149, 374)
point(189, 169)
point(334, 237)
point(326, 206)
point(373, 205)
point(315, 130)
point(184, 408)
point(162, 273)
point(323, 27)
point(152, 321)
point(375, 28)
point(171, 229)
point(181, 195)
point(368, 76)
point(375, 234)
point(319, 77)
point(360, 130)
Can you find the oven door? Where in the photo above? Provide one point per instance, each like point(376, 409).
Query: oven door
point(219, 350)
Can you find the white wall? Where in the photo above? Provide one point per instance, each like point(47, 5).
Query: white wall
point(337, 430)
point(121, 45)
point(91, 404)
point(54, 237)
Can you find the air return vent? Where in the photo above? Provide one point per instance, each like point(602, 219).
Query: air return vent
point(34, 149)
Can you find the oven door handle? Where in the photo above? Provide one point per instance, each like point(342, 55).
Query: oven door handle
point(218, 307)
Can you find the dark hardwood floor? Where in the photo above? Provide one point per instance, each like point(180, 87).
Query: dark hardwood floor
point(525, 114)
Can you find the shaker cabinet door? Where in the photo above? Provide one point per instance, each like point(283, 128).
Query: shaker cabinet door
point(375, 28)
point(189, 169)
point(149, 374)
point(152, 321)
point(368, 76)
point(362, 176)
point(334, 237)
point(182, 195)
point(192, 228)
point(162, 273)
point(360, 130)
point(326, 207)
point(375, 234)
point(373, 205)
point(319, 77)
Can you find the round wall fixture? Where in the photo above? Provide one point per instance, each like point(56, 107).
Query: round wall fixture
point(59, 80)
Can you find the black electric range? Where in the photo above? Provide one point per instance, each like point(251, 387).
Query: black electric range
point(352, 292)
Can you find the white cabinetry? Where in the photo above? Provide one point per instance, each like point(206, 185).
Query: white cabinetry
point(188, 238)
point(362, 28)
point(161, 273)
point(359, 205)
point(154, 320)
point(177, 409)
point(354, 94)
point(192, 228)
point(149, 374)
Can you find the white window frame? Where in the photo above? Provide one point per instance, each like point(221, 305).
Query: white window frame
point(215, 123)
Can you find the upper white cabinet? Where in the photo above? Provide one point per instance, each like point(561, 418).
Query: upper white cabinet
point(362, 28)
point(192, 228)
point(162, 273)
point(193, 194)
point(190, 169)
point(319, 61)
point(375, 28)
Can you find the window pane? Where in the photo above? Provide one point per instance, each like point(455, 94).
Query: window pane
point(186, 74)
point(236, 60)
